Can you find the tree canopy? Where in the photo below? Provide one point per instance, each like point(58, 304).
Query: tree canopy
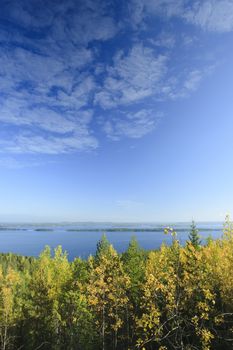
point(176, 297)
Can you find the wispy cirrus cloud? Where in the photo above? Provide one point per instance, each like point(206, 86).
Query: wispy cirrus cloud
point(133, 125)
point(77, 18)
point(163, 40)
point(132, 77)
point(29, 142)
point(212, 15)
point(42, 93)
point(44, 87)
point(64, 65)
point(142, 78)
point(140, 9)
point(182, 85)
point(45, 80)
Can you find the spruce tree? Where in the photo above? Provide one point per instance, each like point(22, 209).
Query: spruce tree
point(134, 264)
point(194, 237)
point(103, 247)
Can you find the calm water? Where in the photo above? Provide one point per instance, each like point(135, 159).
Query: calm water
point(27, 240)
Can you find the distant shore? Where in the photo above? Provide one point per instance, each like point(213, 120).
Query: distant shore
point(110, 229)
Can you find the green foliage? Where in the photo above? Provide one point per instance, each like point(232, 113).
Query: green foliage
point(134, 265)
point(102, 247)
point(173, 298)
point(194, 236)
point(228, 226)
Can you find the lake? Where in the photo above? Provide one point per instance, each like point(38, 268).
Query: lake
point(81, 239)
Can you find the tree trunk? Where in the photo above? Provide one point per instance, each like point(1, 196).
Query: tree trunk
point(103, 328)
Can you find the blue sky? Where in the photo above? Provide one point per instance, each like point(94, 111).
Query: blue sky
point(115, 110)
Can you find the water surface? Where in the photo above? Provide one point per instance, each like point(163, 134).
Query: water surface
point(31, 239)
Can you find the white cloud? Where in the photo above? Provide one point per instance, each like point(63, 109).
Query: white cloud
point(43, 71)
point(33, 143)
point(85, 21)
point(65, 133)
point(193, 80)
point(44, 118)
point(165, 7)
point(27, 81)
point(182, 85)
point(55, 82)
point(28, 13)
point(164, 40)
point(212, 15)
point(45, 83)
point(132, 77)
point(141, 9)
point(143, 77)
point(132, 125)
point(101, 28)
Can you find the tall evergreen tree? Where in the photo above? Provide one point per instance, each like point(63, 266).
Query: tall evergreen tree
point(102, 247)
point(194, 237)
point(134, 261)
point(134, 264)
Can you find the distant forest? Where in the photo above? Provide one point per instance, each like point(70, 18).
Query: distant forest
point(177, 297)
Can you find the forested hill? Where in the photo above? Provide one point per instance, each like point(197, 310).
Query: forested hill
point(178, 297)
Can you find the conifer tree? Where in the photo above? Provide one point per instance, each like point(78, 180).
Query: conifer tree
point(194, 237)
point(102, 247)
point(134, 260)
point(134, 265)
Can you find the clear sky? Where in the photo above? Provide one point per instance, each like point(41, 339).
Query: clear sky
point(116, 110)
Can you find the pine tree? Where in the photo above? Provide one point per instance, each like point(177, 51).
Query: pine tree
point(194, 237)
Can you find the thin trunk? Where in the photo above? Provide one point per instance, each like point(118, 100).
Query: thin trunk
point(103, 329)
point(115, 340)
point(127, 325)
point(4, 338)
